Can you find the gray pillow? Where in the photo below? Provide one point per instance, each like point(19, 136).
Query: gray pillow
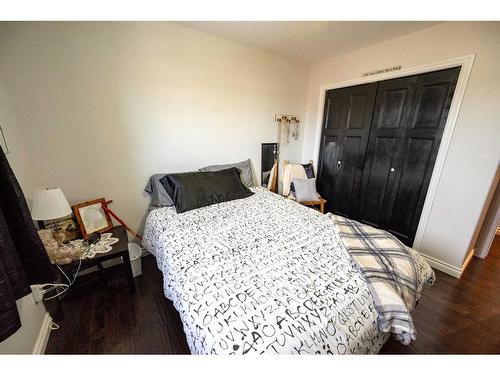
point(159, 196)
point(244, 166)
point(305, 189)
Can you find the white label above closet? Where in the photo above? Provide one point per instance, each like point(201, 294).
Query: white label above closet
point(380, 71)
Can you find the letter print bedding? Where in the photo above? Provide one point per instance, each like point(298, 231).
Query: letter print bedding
point(260, 275)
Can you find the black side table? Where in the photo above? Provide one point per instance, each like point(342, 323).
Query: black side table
point(119, 250)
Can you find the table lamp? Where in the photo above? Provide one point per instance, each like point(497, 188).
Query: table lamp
point(49, 203)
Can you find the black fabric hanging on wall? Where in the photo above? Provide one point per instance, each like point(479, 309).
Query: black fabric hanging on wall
point(23, 260)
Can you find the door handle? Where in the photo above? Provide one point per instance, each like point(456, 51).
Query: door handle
point(339, 164)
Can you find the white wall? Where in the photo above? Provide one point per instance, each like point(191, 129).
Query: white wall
point(32, 314)
point(102, 106)
point(474, 151)
point(17, 156)
point(24, 340)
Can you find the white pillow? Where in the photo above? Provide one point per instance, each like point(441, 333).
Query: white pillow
point(305, 189)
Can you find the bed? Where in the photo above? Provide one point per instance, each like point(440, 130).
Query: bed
point(264, 274)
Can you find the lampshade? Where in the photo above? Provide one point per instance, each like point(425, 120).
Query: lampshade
point(49, 203)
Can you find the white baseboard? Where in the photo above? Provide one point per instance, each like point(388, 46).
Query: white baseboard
point(43, 335)
point(442, 266)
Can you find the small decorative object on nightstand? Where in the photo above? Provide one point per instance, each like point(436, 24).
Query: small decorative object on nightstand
point(92, 217)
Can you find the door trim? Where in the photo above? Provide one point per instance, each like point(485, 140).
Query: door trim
point(489, 227)
point(465, 62)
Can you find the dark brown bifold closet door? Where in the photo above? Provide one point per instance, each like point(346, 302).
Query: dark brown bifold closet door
point(408, 121)
point(346, 128)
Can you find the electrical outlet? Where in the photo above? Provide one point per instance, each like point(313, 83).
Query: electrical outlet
point(37, 293)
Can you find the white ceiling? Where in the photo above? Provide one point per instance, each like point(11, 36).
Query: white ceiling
point(308, 42)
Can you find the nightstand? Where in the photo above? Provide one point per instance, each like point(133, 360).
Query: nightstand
point(119, 250)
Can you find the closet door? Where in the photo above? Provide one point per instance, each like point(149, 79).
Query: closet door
point(409, 118)
point(346, 127)
point(391, 114)
point(424, 129)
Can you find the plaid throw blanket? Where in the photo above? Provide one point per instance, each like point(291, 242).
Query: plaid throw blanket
point(392, 272)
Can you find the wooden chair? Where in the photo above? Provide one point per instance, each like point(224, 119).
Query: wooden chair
point(273, 179)
point(320, 202)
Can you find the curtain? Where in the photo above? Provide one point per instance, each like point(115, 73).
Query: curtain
point(23, 260)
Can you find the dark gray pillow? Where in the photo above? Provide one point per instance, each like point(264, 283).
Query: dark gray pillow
point(159, 197)
point(199, 189)
point(245, 167)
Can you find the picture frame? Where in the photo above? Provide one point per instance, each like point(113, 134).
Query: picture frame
point(91, 217)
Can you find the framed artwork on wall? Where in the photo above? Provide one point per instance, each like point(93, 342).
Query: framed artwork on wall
point(91, 217)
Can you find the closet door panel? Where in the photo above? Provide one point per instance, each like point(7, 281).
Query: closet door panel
point(411, 184)
point(430, 107)
point(391, 113)
point(346, 128)
point(348, 181)
point(326, 173)
point(359, 102)
point(334, 110)
point(391, 104)
point(377, 176)
point(430, 104)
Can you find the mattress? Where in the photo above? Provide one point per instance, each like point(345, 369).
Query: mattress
point(262, 274)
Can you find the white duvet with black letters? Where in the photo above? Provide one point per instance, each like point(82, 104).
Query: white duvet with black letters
point(262, 275)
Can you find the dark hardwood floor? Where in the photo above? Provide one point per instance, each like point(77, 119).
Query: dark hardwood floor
point(103, 317)
point(453, 316)
point(459, 316)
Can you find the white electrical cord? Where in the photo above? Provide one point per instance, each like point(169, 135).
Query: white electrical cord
point(64, 286)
